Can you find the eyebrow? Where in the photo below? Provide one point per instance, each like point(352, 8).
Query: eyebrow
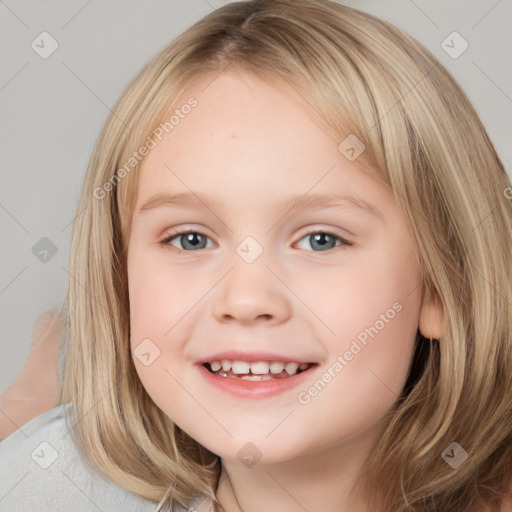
point(296, 201)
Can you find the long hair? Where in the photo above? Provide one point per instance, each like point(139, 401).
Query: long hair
point(366, 78)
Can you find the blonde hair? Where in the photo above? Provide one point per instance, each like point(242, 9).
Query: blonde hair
point(364, 77)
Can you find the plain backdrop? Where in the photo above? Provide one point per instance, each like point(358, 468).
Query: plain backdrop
point(52, 110)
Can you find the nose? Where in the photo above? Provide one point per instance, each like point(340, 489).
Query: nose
point(251, 293)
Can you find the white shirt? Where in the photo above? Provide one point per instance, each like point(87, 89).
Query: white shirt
point(41, 469)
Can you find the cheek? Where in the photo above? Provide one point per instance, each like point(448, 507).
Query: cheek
point(378, 286)
point(160, 300)
point(160, 295)
point(369, 357)
point(372, 306)
point(389, 301)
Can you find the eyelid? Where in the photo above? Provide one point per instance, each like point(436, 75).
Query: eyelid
point(328, 231)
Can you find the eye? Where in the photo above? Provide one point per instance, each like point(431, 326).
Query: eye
point(323, 241)
point(189, 240)
point(319, 241)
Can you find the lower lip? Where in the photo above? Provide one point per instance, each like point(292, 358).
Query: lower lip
point(255, 388)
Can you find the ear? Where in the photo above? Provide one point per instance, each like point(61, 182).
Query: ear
point(431, 323)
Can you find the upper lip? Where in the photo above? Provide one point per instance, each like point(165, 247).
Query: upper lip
point(252, 357)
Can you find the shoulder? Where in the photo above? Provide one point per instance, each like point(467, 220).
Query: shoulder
point(41, 469)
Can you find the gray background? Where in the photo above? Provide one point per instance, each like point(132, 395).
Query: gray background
point(52, 110)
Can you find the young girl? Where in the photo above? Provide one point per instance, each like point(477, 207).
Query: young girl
point(290, 282)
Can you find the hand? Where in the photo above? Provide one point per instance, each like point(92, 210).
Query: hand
point(38, 387)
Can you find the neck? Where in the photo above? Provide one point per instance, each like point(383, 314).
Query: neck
point(326, 480)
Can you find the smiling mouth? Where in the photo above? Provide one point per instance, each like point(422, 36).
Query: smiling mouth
point(289, 370)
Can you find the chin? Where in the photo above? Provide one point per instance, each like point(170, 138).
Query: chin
point(253, 452)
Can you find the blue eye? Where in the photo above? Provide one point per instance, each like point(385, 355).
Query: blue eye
point(190, 240)
point(323, 240)
point(319, 241)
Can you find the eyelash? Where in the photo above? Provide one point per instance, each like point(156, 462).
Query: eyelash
point(166, 241)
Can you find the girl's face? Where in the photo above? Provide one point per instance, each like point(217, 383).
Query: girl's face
point(256, 276)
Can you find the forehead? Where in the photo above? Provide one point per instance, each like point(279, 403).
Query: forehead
point(245, 136)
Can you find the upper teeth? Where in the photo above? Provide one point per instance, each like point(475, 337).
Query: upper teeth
point(258, 367)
